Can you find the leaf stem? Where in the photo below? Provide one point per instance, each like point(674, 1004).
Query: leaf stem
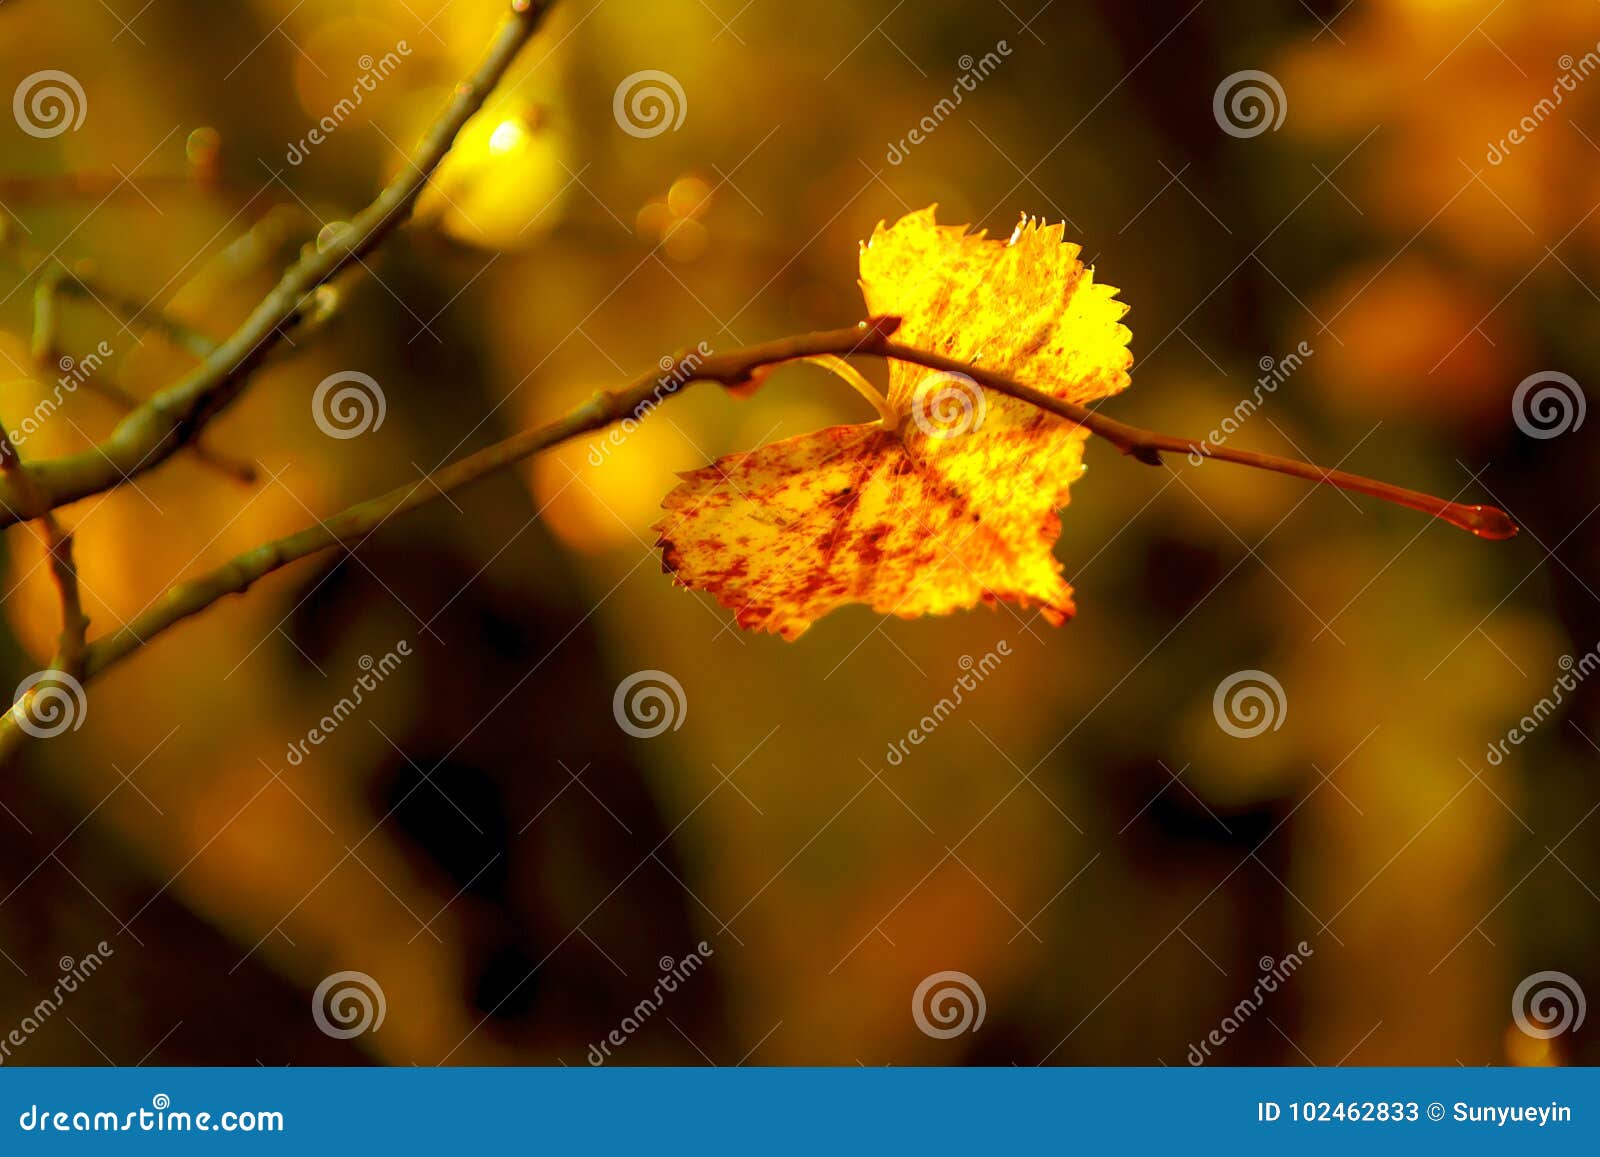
point(887, 415)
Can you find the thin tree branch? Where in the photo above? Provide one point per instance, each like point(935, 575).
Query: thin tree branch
point(174, 415)
point(12, 467)
point(73, 644)
point(42, 345)
point(351, 525)
point(131, 312)
point(732, 368)
point(61, 278)
point(46, 350)
point(1148, 446)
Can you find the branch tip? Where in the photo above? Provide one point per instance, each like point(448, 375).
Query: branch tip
point(1484, 521)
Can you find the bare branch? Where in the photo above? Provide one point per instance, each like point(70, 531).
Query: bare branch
point(43, 345)
point(54, 277)
point(173, 416)
point(190, 340)
point(355, 523)
point(732, 368)
point(74, 623)
point(73, 645)
point(1148, 446)
point(46, 349)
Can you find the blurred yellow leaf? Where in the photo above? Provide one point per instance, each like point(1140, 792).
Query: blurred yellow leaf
point(505, 182)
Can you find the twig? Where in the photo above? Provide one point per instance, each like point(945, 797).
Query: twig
point(1148, 446)
point(174, 415)
point(42, 344)
point(73, 645)
point(356, 522)
point(46, 349)
point(236, 469)
point(55, 276)
point(11, 465)
point(131, 312)
point(731, 368)
point(60, 278)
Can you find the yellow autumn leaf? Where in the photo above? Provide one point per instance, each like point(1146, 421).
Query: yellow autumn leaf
point(952, 502)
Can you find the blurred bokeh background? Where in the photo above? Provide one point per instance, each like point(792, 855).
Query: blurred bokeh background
point(1080, 838)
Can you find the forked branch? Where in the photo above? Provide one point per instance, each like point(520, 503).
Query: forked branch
point(732, 368)
point(175, 415)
